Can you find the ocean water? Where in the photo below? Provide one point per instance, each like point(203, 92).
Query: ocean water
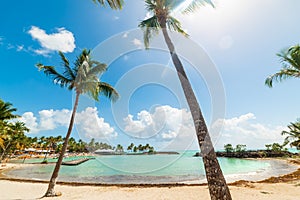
point(153, 169)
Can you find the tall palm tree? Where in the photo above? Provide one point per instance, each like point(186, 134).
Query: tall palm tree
point(162, 20)
point(293, 134)
point(290, 60)
point(6, 111)
point(114, 4)
point(83, 78)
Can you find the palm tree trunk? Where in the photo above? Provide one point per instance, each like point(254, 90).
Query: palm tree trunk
point(4, 152)
point(216, 182)
point(50, 191)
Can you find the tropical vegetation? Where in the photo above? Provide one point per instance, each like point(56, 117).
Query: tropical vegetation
point(83, 78)
point(290, 60)
point(163, 20)
point(293, 134)
point(238, 148)
point(12, 133)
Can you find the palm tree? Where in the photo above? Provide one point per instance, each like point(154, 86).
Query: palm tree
point(83, 79)
point(6, 111)
point(290, 60)
point(114, 4)
point(12, 137)
point(162, 20)
point(293, 134)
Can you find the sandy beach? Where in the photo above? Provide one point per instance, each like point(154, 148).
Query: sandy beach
point(257, 191)
point(286, 187)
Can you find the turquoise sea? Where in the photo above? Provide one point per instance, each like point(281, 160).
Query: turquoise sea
point(153, 169)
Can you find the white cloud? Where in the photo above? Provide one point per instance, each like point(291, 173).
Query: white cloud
point(165, 123)
point(88, 123)
point(31, 122)
point(116, 18)
point(175, 127)
point(138, 43)
point(63, 40)
point(246, 130)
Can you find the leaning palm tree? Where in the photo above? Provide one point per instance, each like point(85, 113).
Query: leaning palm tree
point(114, 4)
point(162, 20)
point(83, 78)
point(290, 60)
point(293, 134)
point(6, 111)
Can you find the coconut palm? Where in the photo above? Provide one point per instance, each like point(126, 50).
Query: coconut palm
point(83, 78)
point(13, 138)
point(290, 60)
point(6, 111)
point(114, 4)
point(162, 20)
point(293, 134)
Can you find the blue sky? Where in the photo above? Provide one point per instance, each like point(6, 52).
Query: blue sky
point(241, 39)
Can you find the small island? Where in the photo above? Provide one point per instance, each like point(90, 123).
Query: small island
point(274, 150)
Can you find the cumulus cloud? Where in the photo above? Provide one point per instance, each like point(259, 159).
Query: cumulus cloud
point(175, 127)
point(164, 123)
point(31, 121)
point(88, 123)
point(63, 40)
point(246, 130)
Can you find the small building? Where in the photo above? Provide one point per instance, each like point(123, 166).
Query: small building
point(105, 152)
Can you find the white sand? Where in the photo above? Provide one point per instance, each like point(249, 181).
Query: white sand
point(250, 191)
point(18, 190)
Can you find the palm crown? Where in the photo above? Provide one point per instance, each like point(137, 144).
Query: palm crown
point(162, 16)
point(291, 66)
point(83, 77)
point(6, 111)
point(293, 134)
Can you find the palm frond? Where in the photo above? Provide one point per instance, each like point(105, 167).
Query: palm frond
point(196, 4)
point(283, 74)
point(150, 27)
point(6, 111)
point(114, 4)
point(68, 71)
point(150, 5)
point(174, 25)
point(83, 57)
point(54, 75)
point(98, 69)
point(291, 57)
point(293, 134)
point(108, 91)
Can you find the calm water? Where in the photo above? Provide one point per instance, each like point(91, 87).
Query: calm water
point(153, 169)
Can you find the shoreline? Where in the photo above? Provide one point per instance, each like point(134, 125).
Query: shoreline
point(283, 178)
point(274, 188)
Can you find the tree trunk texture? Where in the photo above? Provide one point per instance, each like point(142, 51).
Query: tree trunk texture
point(50, 191)
point(216, 182)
